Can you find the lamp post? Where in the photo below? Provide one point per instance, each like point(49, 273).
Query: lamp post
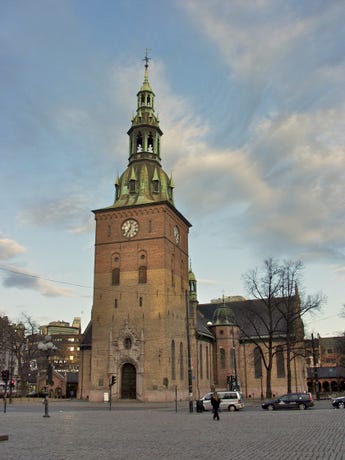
point(189, 358)
point(47, 347)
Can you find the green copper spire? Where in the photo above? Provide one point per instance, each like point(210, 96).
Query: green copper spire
point(144, 180)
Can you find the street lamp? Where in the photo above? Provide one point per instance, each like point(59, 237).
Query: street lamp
point(189, 358)
point(47, 347)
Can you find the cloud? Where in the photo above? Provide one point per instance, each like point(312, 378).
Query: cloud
point(23, 279)
point(284, 184)
point(9, 249)
point(69, 212)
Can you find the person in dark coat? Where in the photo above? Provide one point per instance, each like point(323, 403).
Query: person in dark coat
point(215, 401)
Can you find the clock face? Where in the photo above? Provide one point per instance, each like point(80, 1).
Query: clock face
point(176, 234)
point(129, 228)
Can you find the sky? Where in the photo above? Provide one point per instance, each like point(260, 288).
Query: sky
point(251, 101)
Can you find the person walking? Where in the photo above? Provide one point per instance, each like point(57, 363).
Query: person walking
point(215, 401)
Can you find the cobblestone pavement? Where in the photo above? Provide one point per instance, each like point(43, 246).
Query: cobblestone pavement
point(85, 431)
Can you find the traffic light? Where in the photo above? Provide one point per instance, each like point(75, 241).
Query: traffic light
point(113, 380)
point(5, 375)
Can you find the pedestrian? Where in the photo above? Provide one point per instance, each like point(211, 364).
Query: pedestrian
point(215, 401)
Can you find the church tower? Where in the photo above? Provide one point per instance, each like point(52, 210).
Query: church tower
point(138, 322)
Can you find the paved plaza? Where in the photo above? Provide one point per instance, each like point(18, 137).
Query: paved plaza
point(133, 431)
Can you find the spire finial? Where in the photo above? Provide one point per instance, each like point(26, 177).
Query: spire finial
point(146, 59)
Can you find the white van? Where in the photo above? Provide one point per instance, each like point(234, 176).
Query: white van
point(229, 400)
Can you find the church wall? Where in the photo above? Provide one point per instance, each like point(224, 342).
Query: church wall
point(253, 387)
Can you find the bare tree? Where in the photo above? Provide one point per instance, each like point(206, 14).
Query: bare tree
point(262, 324)
point(22, 345)
point(292, 307)
point(275, 321)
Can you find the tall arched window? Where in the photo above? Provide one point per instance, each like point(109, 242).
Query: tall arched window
point(139, 143)
point(115, 270)
point(142, 274)
point(173, 270)
point(115, 277)
point(222, 358)
point(150, 143)
point(173, 363)
point(201, 362)
point(181, 362)
point(280, 363)
point(207, 363)
point(257, 363)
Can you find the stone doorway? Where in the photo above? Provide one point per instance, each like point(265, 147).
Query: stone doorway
point(128, 382)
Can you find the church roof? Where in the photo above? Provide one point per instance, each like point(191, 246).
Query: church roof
point(243, 314)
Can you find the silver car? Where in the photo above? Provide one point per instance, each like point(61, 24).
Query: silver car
point(229, 400)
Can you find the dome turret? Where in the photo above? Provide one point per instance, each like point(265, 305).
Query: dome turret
point(223, 316)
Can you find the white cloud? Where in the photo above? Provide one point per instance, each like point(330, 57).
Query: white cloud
point(9, 249)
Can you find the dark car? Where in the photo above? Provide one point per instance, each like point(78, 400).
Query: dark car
point(339, 403)
point(290, 401)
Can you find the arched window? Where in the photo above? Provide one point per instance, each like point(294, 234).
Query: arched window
point(257, 363)
point(201, 362)
point(142, 274)
point(115, 277)
point(139, 142)
point(181, 362)
point(207, 363)
point(222, 358)
point(150, 143)
point(173, 369)
point(280, 363)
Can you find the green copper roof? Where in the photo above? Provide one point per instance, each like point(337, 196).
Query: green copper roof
point(223, 316)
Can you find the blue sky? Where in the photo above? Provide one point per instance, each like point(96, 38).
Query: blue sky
point(250, 97)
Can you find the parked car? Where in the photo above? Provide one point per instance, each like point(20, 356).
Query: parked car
point(339, 403)
point(229, 400)
point(290, 401)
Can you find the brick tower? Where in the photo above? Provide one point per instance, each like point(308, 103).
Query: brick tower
point(138, 322)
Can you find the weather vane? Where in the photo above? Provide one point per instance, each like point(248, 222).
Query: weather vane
point(147, 58)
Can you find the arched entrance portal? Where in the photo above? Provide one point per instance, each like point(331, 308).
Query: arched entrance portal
point(128, 382)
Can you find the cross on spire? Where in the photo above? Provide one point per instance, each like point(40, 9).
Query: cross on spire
point(147, 58)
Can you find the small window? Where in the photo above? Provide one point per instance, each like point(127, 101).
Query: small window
point(127, 343)
point(132, 186)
